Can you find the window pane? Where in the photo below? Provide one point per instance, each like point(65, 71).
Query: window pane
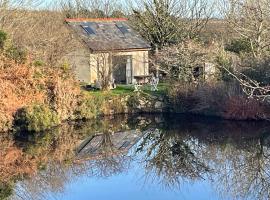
point(122, 28)
point(88, 30)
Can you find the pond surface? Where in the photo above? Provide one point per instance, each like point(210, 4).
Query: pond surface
point(141, 158)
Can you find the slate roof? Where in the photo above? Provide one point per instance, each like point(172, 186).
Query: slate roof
point(108, 34)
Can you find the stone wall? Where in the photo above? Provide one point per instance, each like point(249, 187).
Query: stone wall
point(35, 119)
point(135, 103)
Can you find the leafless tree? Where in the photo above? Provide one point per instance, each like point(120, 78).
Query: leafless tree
point(43, 34)
point(92, 8)
point(250, 20)
point(181, 61)
point(252, 88)
point(11, 8)
point(104, 65)
point(164, 22)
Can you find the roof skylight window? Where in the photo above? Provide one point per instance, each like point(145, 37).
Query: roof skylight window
point(124, 29)
point(88, 30)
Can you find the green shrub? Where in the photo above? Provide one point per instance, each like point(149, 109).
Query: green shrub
point(66, 67)
point(118, 104)
point(38, 63)
point(225, 63)
point(133, 101)
point(87, 108)
point(36, 118)
point(6, 190)
point(241, 45)
point(3, 38)
point(181, 97)
point(17, 54)
point(259, 70)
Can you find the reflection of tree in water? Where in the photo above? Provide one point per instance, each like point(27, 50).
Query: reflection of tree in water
point(58, 173)
point(53, 153)
point(111, 160)
point(238, 153)
point(171, 158)
point(245, 173)
point(106, 167)
point(234, 156)
point(14, 164)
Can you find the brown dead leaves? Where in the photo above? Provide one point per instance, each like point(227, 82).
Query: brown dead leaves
point(18, 88)
point(24, 84)
point(13, 162)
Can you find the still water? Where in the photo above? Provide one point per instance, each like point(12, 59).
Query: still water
point(140, 158)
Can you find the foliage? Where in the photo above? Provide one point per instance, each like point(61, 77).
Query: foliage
point(90, 9)
point(259, 70)
point(224, 62)
point(251, 74)
point(250, 21)
point(24, 85)
point(118, 14)
point(63, 94)
point(3, 37)
point(133, 101)
point(15, 53)
point(100, 103)
point(222, 100)
point(18, 89)
point(212, 98)
point(11, 50)
point(168, 22)
point(36, 118)
point(180, 61)
point(38, 63)
point(87, 108)
point(181, 99)
point(6, 190)
point(242, 108)
point(43, 34)
point(241, 45)
point(157, 23)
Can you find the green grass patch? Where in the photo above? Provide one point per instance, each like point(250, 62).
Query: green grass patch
point(162, 89)
point(129, 89)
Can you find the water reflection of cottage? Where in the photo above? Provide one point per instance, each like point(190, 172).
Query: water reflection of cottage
point(108, 144)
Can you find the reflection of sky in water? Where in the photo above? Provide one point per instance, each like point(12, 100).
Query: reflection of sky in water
point(134, 185)
point(127, 186)
point(219, 158)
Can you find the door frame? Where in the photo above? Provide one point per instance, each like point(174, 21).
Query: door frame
point(128, 67)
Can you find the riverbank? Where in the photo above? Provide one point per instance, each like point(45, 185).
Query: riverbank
point(86, 105)
point(53, 101)
point(36, 98)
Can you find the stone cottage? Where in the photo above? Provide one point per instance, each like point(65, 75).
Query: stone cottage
point(110, 46)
